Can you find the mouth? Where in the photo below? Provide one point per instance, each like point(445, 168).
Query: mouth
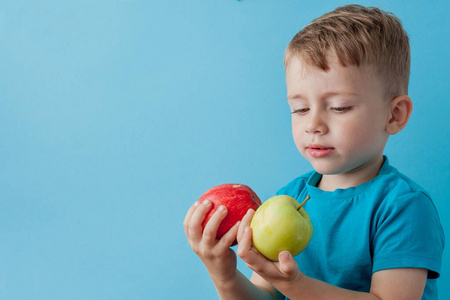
point(318, 151)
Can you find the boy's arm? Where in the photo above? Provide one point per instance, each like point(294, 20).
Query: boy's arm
point(392, 284)
point(285, 276)
point(263, 284)
point(239, 287)
point(402, 283)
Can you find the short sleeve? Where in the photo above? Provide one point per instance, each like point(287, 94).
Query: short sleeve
point(408, 234)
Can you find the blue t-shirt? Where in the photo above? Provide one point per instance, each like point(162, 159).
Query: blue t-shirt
point(387, 222)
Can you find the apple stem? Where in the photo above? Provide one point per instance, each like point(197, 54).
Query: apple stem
point(303, 203)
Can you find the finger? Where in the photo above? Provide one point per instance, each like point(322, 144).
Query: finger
point(195, 223)
point(245, 222)
point(228, 238)
point(210, 230)
point(287, 265)
point(254, 260)
point(244, 242)
point(188, 216)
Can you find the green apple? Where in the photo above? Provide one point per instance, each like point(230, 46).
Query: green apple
point(279, 224)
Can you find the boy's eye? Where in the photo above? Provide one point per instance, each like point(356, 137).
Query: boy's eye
point(342, 109)
point(300, 111)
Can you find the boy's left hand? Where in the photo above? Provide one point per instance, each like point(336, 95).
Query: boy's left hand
point(276, 273)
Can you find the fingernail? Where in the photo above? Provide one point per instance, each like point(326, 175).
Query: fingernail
point(196, 203)
point(222, 208)
point(285, 255)
point(206, 202)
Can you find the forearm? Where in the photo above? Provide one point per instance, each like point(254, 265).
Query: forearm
point(240, 287)
point(309, 288)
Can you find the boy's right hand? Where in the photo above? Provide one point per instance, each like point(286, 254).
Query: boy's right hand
point(219, 259)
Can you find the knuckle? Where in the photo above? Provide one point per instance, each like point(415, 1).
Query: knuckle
point(240, 253)
point(206, 254)
point(192, 226)
point(255, 268)
point(288, 270)
point(196, 249)
point(199, 250)
point(226, 240)
point(209, 234)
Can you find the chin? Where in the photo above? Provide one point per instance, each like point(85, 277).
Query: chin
point(325, 171)
point(325, 168)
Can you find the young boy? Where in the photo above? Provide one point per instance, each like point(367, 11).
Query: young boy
point(377, 234)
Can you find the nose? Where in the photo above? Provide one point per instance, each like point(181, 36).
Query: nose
point(316, 124)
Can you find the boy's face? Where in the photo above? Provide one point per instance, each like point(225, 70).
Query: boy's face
point(338, 117)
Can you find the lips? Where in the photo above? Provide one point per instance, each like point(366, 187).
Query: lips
point(317, 151)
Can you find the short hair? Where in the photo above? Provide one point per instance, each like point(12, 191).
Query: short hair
point(358, 35)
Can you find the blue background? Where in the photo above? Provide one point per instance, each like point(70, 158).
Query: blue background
point(115, 116)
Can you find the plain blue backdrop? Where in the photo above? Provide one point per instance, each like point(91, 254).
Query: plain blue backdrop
point(115, 116)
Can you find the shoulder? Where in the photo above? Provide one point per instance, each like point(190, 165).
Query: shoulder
point(400, 190)
point(402, 183)
point(296, 186)
point(399, 195)
point(407, 231)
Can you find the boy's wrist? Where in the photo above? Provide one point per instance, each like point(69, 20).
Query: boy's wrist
point(238, 286)
point(224, 281)
point(290, 288)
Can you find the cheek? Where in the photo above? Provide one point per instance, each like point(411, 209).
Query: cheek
point(297, 128)
point(361, 136)
point(297, 134)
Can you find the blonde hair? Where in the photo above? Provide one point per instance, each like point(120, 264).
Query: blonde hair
point(357, 35)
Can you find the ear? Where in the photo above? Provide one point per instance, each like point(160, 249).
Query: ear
point(400, 111)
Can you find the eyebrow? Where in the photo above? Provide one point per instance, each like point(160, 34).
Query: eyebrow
point(325, 95)
point(295, 96)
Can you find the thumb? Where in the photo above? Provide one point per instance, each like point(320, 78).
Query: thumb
point(287, 263)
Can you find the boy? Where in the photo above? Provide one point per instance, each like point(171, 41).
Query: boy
point(377, 234)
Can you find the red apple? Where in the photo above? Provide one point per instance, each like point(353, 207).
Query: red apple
point(237, 198)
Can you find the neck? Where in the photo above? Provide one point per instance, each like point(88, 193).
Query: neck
point(352, 178)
